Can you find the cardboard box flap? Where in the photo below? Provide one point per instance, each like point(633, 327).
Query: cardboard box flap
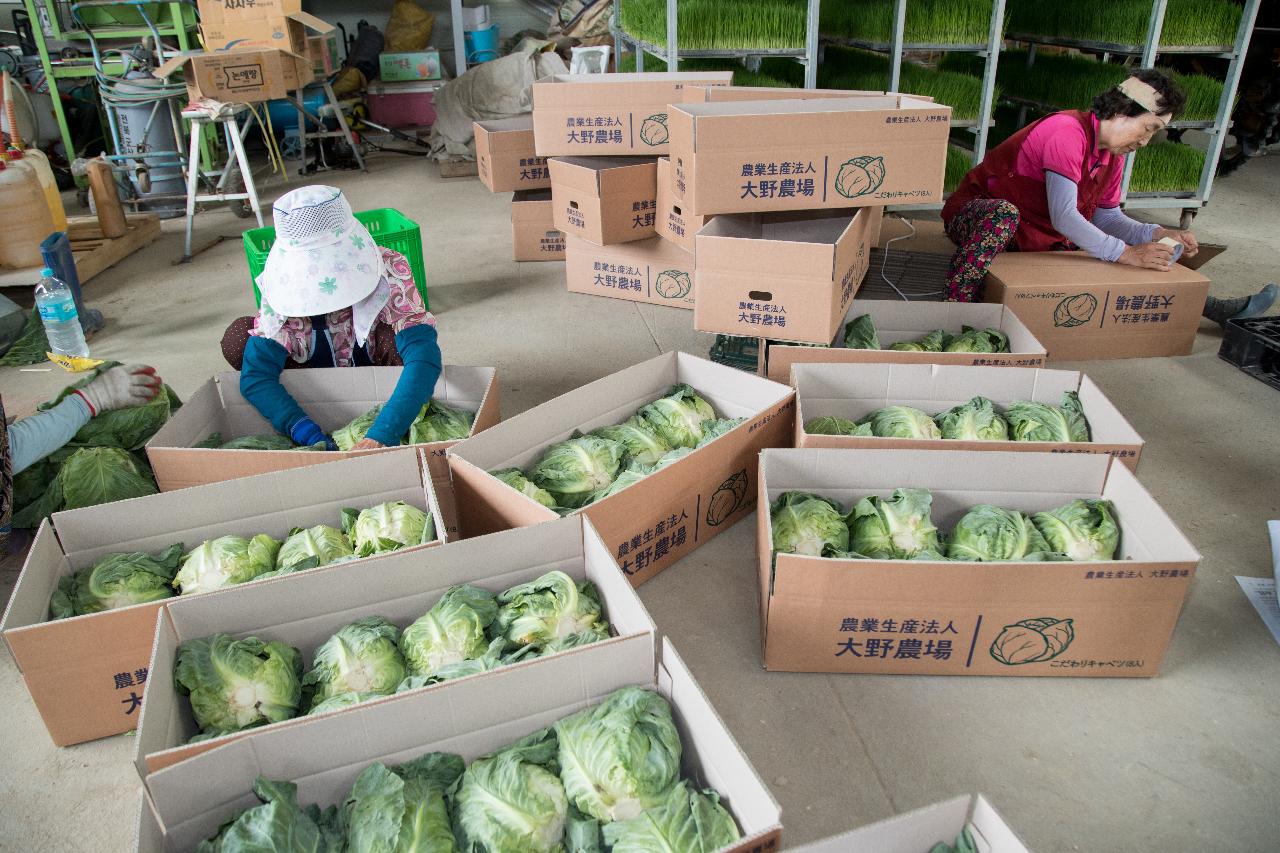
point(501, 126)
point(642, 88)
point(174, 63)
point(603, 176)
point(29, 604)
point(920, 830)
point(311, 22)
point(735, 123)
point(1148, 533)
point(527, 199)
point(802, 244)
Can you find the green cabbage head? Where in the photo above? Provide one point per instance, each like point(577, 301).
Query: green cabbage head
point(387, 527)
point(1030, 421)
point(1084, 529)
point(117, 580)
point(988, 534)
point(978, 340)
point(278, 825)
point(686, 820)
point(438, 422)
point(225, 561)
point(452, 630)
point(976, 420)
point(860, 333)
point(574, 469)
point(644, 445)
point(680, 418)
point(935, 341)
point(902, 422)
point(551, 608)
point(807, 524)
point(310, 547)
point(402, 809)
point(353, 433)
point(896, 529)
point(833, 425)
point(362, 657)
point(513, 800)
point(516, 479)
point(234, 684)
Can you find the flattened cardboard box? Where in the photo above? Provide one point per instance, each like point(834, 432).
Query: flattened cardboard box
point(534, 236)
point(241, 76)
point(505, 158)
point(603, 114)
point(653, 270)
point(908, 321)
point(187, 803)
point(399, 587)
point(1083, 308)
point(855, 391)
point(781, 274)
point(668, 514)
point(673, 223)
point(913, 617)
point(756, 156)
point(86, 674)
point(921, 830)
point(280, 32)
point(605, 200)
point(334, 396)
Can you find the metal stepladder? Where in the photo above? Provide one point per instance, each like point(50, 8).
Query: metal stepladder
point(305, 118)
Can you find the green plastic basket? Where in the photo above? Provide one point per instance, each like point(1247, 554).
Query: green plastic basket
point(390, 228)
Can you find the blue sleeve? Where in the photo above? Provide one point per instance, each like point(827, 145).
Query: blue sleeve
point(260, 384)
point(1067, 221)
point(421, 356)
point(1115, 222)
point(32, 439)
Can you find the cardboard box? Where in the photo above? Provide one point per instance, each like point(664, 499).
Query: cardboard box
point(322, 50)
point(334, 397)
point(789, 275)
point(86, 674)
point(754, 156)
point(412, 65)
point(505, 159)
point(908, 321)
point(920, 830)
point(668, 514)
point(605, 200)
point(673, 223)
point(399, 587)
point(715, 94)
point(1121, 612)
point(241, 76)
point(474, 717)
point(626, 113)
point(290, 31)
point(652, 270)
point(533, 232)
point(1083, 308)
point(855, 391)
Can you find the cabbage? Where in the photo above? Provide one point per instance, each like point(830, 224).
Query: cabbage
point(438, 422)
point(307, 548)
point(451, 631)
point(895, 529)
point(621, 756)
point(279, 825)
point(116, 580)
point(274, 441)
point(124, 429)
point(860, 333)
point(1030, 421)
point(387, 527)
point(225, 561)
point(516, 479)
point(836, 426)
point(402, 809)
point(353, 433)
point(629, 477)
point(235, 684)
point(1082, 530)
point(901, 422)
point(643, 444)
point(711, 430)
point(978, 340)
point(990, 534)
point(935, 341)
point(807, 524)
point(360, 658)
point(338, 701)
point(492, 658)
point(551, 608)
point(687, 820)
point(513, 800)
point(99, 475)
point(975, 420)
point(680, 417)
point(572, 470)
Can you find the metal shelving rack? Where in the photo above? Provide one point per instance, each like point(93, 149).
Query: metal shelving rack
point(1189, 202)
point(671, 54)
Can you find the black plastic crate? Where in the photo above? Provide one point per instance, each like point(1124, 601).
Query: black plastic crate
point(1253, 345)
point(734, 351)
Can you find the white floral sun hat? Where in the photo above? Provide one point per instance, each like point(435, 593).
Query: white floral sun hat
point(323, 258)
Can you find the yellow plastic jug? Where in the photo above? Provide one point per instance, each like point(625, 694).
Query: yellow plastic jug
point(37, 160)
point(26, 220)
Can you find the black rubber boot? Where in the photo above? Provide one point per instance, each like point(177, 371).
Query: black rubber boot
point(1222, 310)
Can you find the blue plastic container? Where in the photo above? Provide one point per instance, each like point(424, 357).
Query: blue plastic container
point(284, 115)
point(481, 45)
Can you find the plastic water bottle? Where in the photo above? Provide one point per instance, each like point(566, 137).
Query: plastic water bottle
point(57, 307)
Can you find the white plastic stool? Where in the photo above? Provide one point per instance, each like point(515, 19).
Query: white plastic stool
point(228, 117)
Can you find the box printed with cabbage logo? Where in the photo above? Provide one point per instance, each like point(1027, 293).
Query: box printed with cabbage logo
point(87, 674)
point(651, 524)
point(1082, 308)
point(922, 829)
point(918, 617)
point(756, 156)
point(654, 271)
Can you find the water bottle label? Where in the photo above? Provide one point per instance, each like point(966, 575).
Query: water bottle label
point(58, 312)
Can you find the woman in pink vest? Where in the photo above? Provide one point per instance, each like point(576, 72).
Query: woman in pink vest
point(1055, 185)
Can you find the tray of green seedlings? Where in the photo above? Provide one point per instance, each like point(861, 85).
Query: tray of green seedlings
point(929, 22)
point(1124, 23)
point(849, 68)
point(959, 162)
point(719, 24)
point(1166, 167)
point(741, 76)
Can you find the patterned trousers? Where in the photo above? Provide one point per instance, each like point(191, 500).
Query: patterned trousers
point(982, 229)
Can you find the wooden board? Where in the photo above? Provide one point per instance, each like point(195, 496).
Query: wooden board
point(94, 253)
point(458, 169)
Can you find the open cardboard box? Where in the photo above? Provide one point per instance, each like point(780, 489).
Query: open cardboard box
point(1084, 308)
point(604, 200)
point(654, 271)
point(601, 114)
point(534, 236)
point(1112, 618)
point(668, 514)
point(505, 159)
point(289, 32)
point(399, 587)
point(714, 94)
point(756, 156)
point(673, 223)
point(855, 391)
point(86, 674)
point(920, 830)
point(188, 802)
point(241, 76)
point(908, 321)
point(333, 396)
point(792, 274)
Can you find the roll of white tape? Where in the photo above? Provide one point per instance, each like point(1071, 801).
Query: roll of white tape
point(1173, 244)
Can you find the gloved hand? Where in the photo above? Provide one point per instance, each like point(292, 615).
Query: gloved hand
point(307, 432)
point(121, 387)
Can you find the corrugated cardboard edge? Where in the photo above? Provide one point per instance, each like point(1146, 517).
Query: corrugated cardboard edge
point(920, 829)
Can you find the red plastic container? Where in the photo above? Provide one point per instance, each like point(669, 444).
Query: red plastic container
point(407, 104)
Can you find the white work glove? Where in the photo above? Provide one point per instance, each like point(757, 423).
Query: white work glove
point(121, 387)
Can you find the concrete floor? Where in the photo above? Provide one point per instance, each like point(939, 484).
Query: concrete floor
point(1186, 761)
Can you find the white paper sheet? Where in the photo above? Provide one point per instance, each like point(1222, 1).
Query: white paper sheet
point(1262, 593)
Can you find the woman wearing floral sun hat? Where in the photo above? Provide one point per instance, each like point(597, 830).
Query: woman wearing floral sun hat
point(331, 297)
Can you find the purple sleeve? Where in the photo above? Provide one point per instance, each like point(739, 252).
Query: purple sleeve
point(1067, 221)
point(1114, 221)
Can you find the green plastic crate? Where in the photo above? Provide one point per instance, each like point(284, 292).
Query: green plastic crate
point(390, 228)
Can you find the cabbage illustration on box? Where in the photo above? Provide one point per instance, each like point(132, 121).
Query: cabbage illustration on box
point(1075, 310)
point(1033, 641)
point(673, 284)
point(653, 131)
point(860, 176)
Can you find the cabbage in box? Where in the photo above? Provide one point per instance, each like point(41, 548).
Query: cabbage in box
point(86, 674)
